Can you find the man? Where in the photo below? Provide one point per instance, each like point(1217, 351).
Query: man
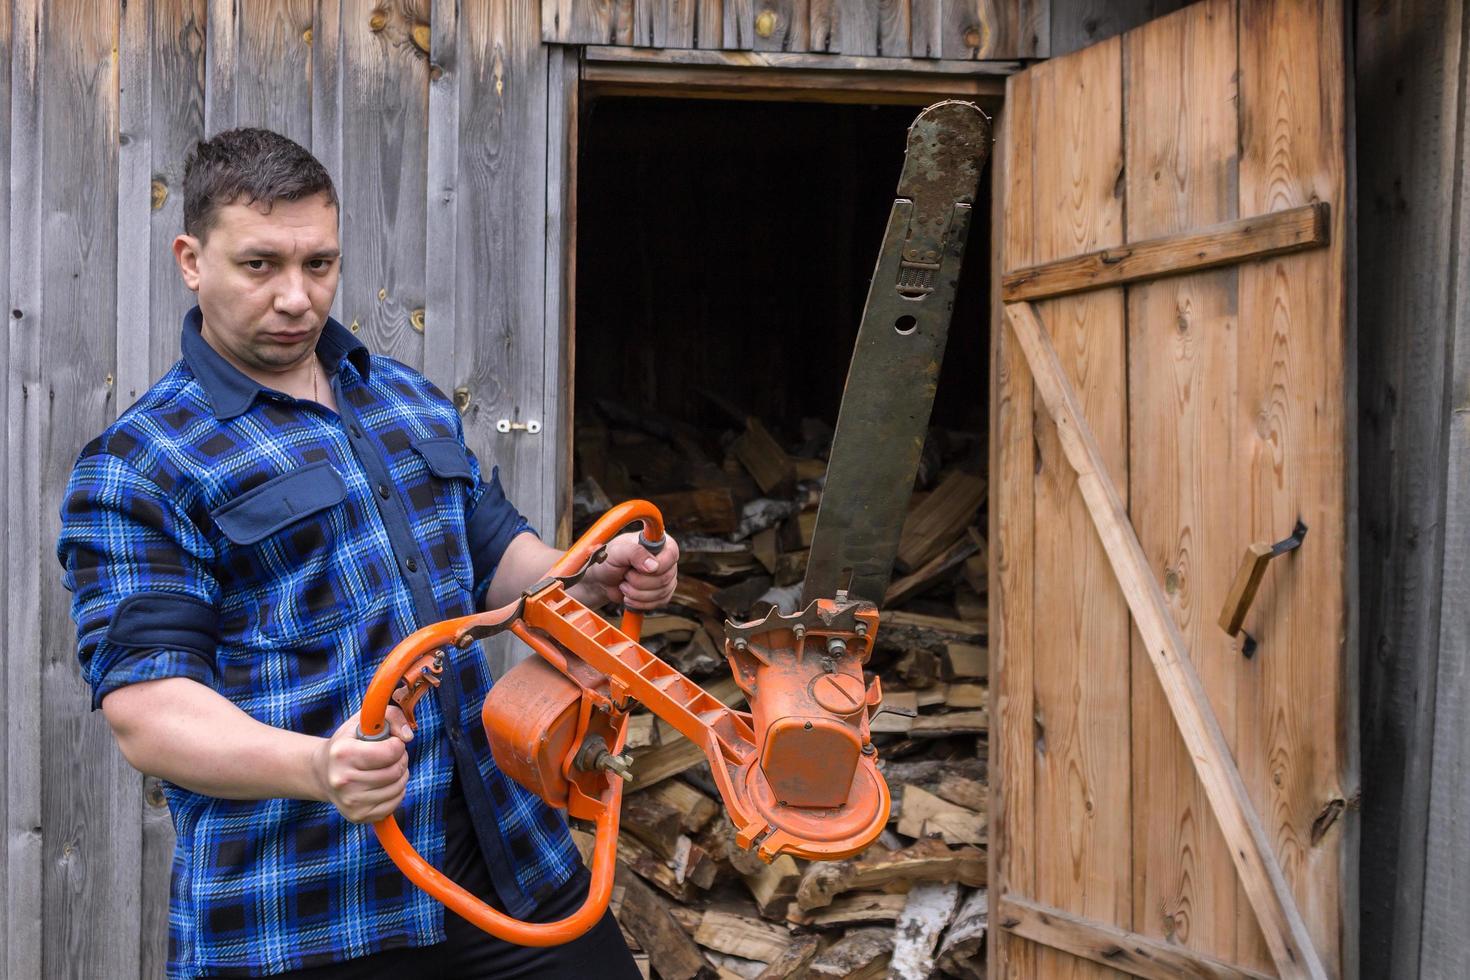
point(244, 546)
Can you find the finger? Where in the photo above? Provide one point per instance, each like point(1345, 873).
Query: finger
point(644, 598)
point(398, 723)
point(638, 580)
point(357, 755)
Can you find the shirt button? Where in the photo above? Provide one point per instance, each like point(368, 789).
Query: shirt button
point(354, 431)
point(383, 491)
point(412, 564)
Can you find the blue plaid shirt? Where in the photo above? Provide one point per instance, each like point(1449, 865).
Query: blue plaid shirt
point(275, 551)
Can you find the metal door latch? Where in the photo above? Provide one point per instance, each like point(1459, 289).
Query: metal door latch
point(530, 427)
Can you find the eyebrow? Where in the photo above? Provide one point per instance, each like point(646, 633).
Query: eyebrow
point(265, 252)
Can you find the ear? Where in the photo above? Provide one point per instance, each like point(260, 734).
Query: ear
point(186, 254)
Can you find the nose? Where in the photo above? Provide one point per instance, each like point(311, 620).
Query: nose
point(292, 299)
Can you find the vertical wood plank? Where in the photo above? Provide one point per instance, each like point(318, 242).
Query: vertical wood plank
point(222, 58)
point(327, 102)
point(787, 22)
point(90, 806)
point(1013, 541)
point(385, 101)
point(501, 253)
point(926, 28)
point(679, 24)
point(1187, 491)
point(273, 68)
point(822, 25)
point(442, 221)
point(739, 25)
point(1294, 724)
point(1410, 68)
point(8, 919)
point(561, 252)
point(134, 325)
point(1074, 24)
point(856, 30)
point(176, 122)
point(893, 28)
point(1081, 660)
point(1447, 876)
point(23, 821)
point(709, 23)
point(977, 29)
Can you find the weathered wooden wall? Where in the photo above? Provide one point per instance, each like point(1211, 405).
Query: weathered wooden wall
point(1413, 244)
point(951, 29)
point(445, 127)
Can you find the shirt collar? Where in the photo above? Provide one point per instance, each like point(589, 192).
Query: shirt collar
point(230, 392)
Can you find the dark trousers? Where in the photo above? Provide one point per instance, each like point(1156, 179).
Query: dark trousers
point(470, 954)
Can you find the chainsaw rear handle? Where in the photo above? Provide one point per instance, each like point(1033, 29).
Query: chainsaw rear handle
point(372, 726)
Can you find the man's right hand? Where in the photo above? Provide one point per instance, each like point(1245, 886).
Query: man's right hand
point(365, 780)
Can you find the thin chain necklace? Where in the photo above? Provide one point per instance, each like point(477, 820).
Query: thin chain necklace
point(316, 368)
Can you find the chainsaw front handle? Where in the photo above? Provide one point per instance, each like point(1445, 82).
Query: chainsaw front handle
point(461, 632)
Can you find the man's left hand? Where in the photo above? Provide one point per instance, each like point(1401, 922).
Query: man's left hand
point(631, 575)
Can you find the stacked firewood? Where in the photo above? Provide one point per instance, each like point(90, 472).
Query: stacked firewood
point(743, 505)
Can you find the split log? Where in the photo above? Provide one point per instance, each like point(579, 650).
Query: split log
point(773, 886)
point(640, 858)
point(925, 916)
point(764, 459)
point(858, 909)
point(743, 936)
point(696, 595)
point(925, 814)
point(971, 794)
point(966, 661)
point(796, 533)
point(762, 514)
point(765, 549)
point(952, 723)
point(670, 950)
point(809, 469)
point(791, 567)
point(940, 518)
point(704, 511)
point(694, 808)
point(934, 571)
point(972, 606)
point(714, 557)
point(919, 668)
point(903, 631)
point(793, 960)
point(967, 696)
point(652, 821)
point(925, 860)
point(962, 953)
point(862, 954)
point(735, 967)
point(737, 599)
point(642, 731)
point(892, 722)
point(676, 628)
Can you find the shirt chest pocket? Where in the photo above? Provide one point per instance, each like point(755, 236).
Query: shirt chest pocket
point(440, 493)
point(285, 572)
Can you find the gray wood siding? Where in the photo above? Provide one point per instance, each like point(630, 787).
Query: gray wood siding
point(952, 29)
point(435, 121)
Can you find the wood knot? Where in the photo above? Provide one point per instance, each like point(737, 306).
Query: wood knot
point(421, 37)
point(416, 320)
point(306, 36)
point(159, 194)
point(377, 21)
point(765, 23)
point(462, 399)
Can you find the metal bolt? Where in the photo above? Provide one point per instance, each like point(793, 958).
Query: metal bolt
point(836, 646)
point(807, 726)
point(799, 630)
point(869, 748)
point(861, 629)
point(741, 643)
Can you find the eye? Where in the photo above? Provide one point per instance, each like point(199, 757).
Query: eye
point(319, 265)
point(255, 265)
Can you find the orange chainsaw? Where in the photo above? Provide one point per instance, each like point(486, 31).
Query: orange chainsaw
point(798, 773)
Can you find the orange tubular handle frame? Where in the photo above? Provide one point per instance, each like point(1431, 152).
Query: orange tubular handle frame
point(604, 810)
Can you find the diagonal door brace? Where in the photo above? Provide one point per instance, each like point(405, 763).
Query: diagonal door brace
point(1255, 860)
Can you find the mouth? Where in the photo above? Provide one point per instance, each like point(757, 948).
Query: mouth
point(288, 336)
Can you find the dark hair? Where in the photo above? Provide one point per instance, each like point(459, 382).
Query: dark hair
point(251, 166)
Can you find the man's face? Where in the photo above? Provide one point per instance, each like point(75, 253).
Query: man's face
point(265, 279)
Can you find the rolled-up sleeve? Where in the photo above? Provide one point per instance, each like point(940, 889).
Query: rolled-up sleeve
point(491, 523)
point(144, 597)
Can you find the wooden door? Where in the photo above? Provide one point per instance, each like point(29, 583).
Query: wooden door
point(1172, 385)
